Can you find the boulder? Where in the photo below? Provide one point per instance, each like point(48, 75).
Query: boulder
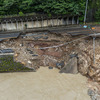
point(84, 61)
point(70, 67)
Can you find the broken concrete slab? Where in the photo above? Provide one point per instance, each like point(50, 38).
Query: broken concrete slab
point(70, 67)
point(6, 51)
point(10, 35)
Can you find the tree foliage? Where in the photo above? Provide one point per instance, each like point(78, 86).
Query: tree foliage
point(74, 7)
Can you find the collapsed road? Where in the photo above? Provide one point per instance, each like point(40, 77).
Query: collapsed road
point(69, 49)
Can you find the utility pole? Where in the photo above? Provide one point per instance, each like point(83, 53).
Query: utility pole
point(85, 11)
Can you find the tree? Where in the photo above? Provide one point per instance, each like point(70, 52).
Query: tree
point(93, 9)
point(72, 7)
point(11, 6)
point(2, 12)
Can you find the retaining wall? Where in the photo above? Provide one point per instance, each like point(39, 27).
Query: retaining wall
point(31, 22)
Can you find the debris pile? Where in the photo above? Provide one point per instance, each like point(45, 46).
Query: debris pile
point(56, 49)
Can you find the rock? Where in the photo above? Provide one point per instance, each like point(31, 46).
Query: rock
point(34, 55)
point(52, 63)
point(16, 55)
point(94, 73)
point(93, 94)
point(60, 64)
point(29, 62)
point(70, 67)
point(73, 55)
point(21, 45)
point(90, 92)
point(28, 49)
point(84, 61)
point(23, 63)
point(49, 61)
point(31, 52)
point(50, 67)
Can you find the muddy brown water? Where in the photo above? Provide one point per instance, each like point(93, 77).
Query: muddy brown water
point(45, 84)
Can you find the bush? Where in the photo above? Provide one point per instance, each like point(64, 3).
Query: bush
point(21, 13)
point(97, 15)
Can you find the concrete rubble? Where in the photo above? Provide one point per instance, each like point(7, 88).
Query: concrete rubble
point(70, 67)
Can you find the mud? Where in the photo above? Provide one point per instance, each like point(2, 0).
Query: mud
point(45, 84)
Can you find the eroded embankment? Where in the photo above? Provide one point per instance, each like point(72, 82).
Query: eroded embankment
point(32, 51)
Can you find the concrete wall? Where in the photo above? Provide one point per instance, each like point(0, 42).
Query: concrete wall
point(21, 25)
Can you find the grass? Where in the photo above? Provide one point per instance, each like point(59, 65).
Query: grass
point(91, 23)
point(7, 64)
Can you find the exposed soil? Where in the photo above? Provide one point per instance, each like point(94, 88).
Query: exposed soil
point(29, 51)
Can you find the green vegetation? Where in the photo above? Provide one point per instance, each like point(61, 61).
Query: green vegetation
point(73, 7)
point(8, 65)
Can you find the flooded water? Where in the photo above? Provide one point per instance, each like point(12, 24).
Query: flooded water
point(45, 84)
